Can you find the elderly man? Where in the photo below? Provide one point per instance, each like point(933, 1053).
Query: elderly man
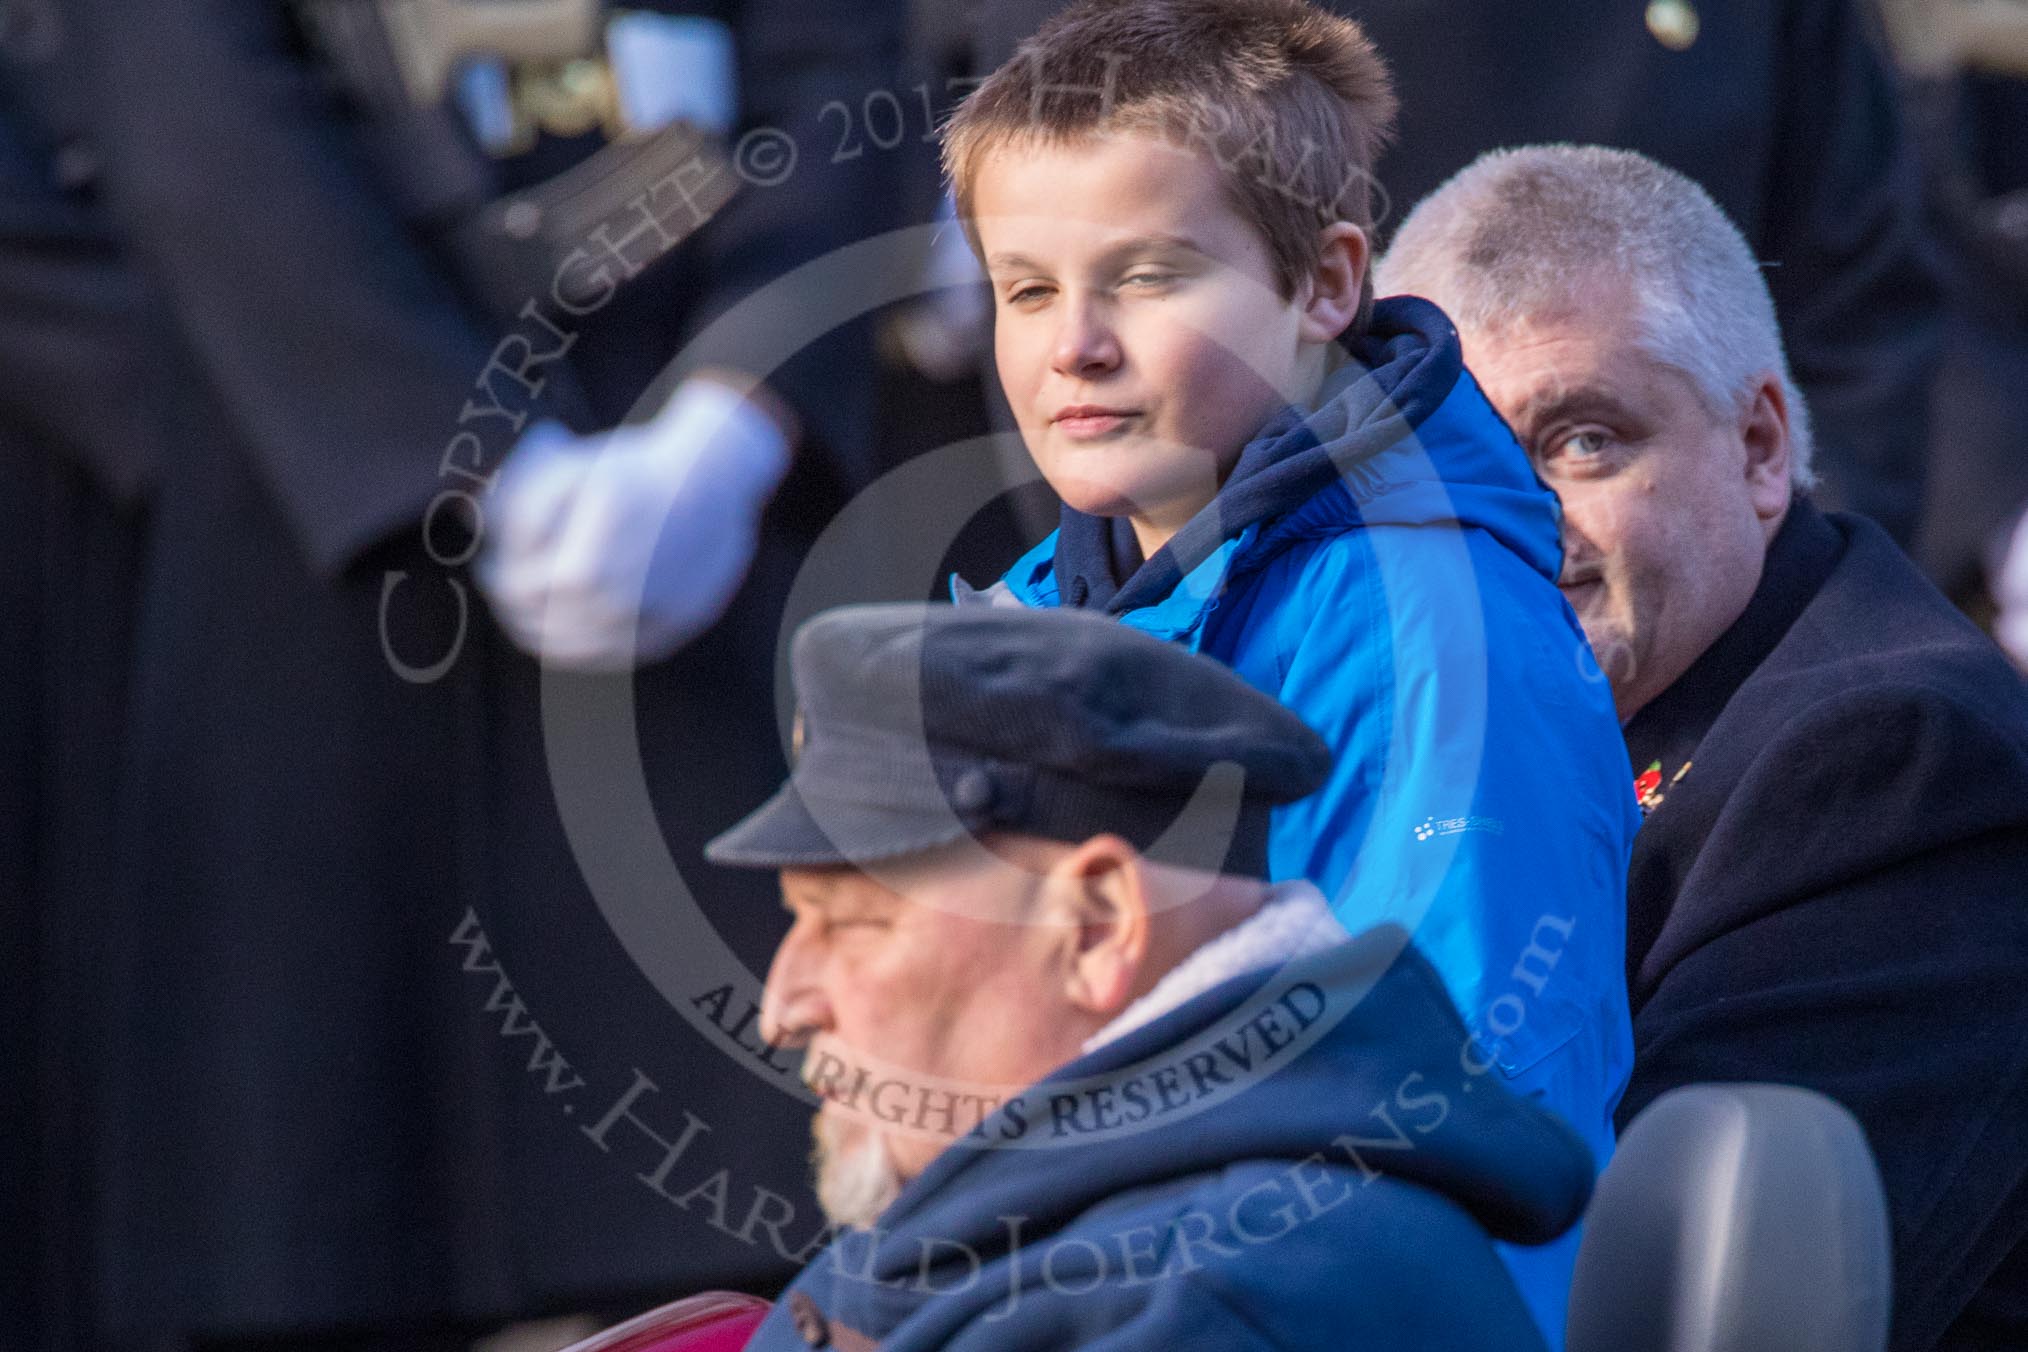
point(1829, 888)
point(1087, 1079)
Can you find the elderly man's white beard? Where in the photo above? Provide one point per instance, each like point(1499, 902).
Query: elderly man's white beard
point(856, 1177)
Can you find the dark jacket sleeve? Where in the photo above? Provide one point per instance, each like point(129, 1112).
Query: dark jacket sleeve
point(1862, 930)
point(338, 348)
point(71, 315)
point(1855, 276)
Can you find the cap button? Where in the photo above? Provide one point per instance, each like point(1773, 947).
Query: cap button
point(808, 1319)
point(973, 791)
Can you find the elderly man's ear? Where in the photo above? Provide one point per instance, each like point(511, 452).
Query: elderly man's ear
point(1764, 431)
point(1101, 899)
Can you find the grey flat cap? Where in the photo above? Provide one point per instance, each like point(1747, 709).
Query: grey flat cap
point(925, 723)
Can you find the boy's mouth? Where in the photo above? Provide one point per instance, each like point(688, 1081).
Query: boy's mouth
point(1084, 421)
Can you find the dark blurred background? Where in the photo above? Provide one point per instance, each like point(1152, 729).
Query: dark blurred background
point(268, 768)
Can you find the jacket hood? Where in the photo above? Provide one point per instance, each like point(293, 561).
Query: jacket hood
point(1401, 435)
point(1357, 1058)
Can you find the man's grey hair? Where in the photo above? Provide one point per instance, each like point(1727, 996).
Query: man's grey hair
point(1518, 232)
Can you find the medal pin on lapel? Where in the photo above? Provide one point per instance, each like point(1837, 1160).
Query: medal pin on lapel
point(1648, 786)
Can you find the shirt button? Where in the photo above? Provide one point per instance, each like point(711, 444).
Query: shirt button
point(522, 219)
point(1673, 23)
point(809, 1321)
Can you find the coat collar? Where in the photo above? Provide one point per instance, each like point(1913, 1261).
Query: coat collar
point(1293, 923)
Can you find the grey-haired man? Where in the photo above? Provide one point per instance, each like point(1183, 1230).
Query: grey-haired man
point(1086, 1077)
point(1828, 888)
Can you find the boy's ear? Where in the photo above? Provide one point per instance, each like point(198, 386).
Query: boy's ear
point(1332, 300)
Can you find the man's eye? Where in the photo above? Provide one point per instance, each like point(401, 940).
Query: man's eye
point(1147, 280)
point(1022, 295)
point(1582, 445)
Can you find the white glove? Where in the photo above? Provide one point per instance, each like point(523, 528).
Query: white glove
point(2010, 589)
point(609, 551)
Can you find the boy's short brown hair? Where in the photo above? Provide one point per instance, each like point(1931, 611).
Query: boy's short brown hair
point(1293, 103)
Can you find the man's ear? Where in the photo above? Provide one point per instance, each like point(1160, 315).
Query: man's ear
point(1104, 902)
point(1764, 431)
point(1332, 302)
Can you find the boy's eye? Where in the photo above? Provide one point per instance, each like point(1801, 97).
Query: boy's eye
point(1021, 295)
point(1148, 278)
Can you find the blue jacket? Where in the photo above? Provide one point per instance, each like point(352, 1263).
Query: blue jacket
point(1317, 1178)
point(1385, 566)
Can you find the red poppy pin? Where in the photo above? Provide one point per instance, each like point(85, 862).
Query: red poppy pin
point(1648, 785)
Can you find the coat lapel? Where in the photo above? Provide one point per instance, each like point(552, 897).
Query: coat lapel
point(1663, 739)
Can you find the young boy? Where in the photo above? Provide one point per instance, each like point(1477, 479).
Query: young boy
point(1171, 201)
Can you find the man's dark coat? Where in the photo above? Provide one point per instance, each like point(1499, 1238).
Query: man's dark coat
point(1835, 894)
point(74, 466)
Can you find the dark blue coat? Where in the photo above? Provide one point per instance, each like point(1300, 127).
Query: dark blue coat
point(73, 464)
point(1295, 1159)
point(1835, 894)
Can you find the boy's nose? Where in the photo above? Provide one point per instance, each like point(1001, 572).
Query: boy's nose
point(1085, 344)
